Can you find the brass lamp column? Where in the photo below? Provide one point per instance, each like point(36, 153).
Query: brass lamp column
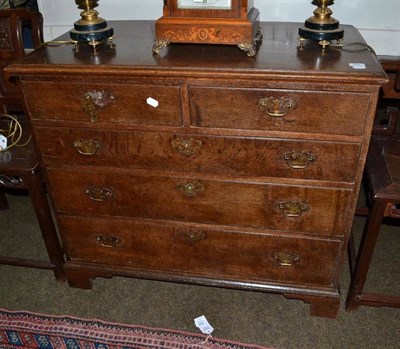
point(321, 27)
point(90, 28)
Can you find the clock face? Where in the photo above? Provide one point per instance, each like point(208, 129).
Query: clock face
point(205, 4)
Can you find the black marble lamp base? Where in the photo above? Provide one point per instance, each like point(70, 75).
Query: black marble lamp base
point(321, 32)
point(91, 33)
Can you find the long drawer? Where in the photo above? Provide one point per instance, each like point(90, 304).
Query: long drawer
point(220, 254)
point(194, 153)
point(281, 110)
point(260, 205)
point(108, 103)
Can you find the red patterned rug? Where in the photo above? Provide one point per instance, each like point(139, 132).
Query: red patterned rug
point(20, 330)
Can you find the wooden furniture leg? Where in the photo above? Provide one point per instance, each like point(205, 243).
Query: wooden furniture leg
point(47, 227)
point(319, 306)
point(33, 183)
point(365, 253)
point(356, 296)
point(351, 250)
point(3, 202)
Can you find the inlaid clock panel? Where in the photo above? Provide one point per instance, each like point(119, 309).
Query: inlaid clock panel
point(222, 22)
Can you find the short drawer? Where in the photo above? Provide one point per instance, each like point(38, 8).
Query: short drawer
point(281, 110)
point(293, 208)
point(103, 103)
point(257, 157)
point(199, 252)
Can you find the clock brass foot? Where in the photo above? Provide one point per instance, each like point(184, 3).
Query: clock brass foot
point(158, 45)
point(250, 49)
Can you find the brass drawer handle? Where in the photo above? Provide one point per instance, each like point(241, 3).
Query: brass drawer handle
point(285, 258)
point(98, 193)
point(87, 147)
point(190, 189)
point(299, 160)
point(95, 100)
point(187, 147)
point(277, 107)
point(293, 208)
point(192, 236)
point(108, 240)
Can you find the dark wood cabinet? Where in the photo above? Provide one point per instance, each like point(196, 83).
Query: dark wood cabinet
point(201, 164)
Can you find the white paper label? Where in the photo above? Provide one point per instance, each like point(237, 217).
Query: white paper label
point(152, 102)
point(204, 326)
point(358, 66)
point(3, 142)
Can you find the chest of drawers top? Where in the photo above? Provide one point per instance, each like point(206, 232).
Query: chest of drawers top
point(278, 57)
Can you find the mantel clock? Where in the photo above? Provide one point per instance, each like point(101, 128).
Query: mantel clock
point(224, 22)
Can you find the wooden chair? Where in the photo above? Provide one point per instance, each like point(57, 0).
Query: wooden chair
point(12, 47)
point(391, 90)
point(382, 177)
point(19, 166)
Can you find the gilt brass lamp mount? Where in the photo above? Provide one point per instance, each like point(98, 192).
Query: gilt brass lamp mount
point(91, 28)
point(321, 27)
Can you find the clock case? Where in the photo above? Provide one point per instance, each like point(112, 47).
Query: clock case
point(238, 25)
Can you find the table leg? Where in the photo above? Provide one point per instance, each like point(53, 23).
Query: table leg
point(365, 252)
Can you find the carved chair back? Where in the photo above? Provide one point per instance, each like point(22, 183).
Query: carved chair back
point(13, 24)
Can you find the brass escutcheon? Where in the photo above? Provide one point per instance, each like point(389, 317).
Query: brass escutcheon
point(95, 100)
point(299, 160)
point(277, 107)
point(187, 147)
point(190, 189)
point(87, 147)
point(98, 193)
point(293, 208)
point(286, 258)
point(108, 240)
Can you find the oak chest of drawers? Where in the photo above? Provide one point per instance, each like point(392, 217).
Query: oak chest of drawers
point(203, 165)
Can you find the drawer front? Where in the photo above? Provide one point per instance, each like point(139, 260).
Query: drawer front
point(166, 247)
point(192, 153)
point(108, 103)
point(280, 110)
point(293, 208)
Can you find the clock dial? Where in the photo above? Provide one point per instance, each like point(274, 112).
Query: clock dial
point(205, 4)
